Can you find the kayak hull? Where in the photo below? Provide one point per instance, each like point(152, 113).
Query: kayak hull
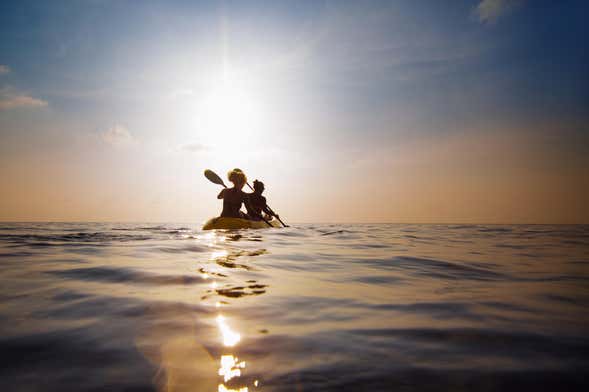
point(223, 223)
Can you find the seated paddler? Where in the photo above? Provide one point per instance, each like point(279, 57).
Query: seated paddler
point(256, 203)
point(234, 197)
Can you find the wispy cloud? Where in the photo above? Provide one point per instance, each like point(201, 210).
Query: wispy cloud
point(193, 147)
point(11, 99)
point(117, 135)
point(489, 11)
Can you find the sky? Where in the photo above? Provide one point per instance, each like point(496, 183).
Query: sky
point(349, 111)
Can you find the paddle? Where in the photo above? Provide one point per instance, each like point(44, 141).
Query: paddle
point(214, 178)
point(270, 209)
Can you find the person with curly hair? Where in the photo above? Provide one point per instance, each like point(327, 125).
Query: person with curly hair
point(234, 197)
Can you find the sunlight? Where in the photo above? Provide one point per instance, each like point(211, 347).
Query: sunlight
point(229, 117)
point(210, 239)
point(223, 388)
point(230, 337)
point(230, 367)
point(219, 254)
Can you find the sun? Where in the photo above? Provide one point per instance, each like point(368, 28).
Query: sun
point(229, 117)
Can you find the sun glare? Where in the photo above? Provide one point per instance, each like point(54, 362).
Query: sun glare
point(230, 337)
point(229, 117)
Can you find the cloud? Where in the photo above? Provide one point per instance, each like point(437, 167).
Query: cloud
point(117, 135)
point(488, 11)
point(181, 93)
point(193, 147)
point(11, 100)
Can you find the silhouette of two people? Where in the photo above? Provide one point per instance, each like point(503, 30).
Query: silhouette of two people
point(234, 198)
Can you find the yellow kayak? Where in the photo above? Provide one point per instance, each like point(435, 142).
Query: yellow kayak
point(222, 223)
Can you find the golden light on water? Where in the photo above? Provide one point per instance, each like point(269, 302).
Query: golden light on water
point(218, 254)
point(230, 337)
point(222, 388)
point(230, 367)
point(210, 239)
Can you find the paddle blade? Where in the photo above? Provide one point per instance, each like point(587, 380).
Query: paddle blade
point(214, 178)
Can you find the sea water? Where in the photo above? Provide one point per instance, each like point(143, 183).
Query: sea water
point(314, 307)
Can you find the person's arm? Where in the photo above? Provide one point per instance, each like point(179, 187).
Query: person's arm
point(221, 194)
point(265, 207)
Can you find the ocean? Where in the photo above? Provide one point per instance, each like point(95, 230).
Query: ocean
point(313, 307)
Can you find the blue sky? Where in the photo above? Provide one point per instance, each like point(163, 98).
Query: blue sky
point(371, 106)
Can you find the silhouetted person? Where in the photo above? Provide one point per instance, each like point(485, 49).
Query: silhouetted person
point(256, 203)
point(234, 197)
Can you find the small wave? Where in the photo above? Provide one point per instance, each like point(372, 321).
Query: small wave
point(378, 279)
point(523, 345)
point(513, 246)
point(438, 269)
point(69, 296)
point(563, 299)
point(181, 249)
point(290, 233)
point(16, 254)
point(79, 237)
point(125, 275)
point(461, 227)
point(241, 291)
point(495, 230)
point(323, 233)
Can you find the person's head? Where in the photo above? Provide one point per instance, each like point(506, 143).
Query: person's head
point(237, 177)
point(258, 186)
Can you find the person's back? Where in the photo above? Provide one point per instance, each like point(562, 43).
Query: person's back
point(232, 200)
point(234, 197)
point(256, 203)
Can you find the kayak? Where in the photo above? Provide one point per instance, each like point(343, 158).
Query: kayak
point(223, 223)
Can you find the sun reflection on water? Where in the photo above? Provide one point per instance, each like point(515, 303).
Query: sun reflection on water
point(230, 337)
point(219, 254)
point(210, 239)
point(230, 367)
point(223, 388)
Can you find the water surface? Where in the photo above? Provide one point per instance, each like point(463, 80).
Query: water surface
point(318, 307)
